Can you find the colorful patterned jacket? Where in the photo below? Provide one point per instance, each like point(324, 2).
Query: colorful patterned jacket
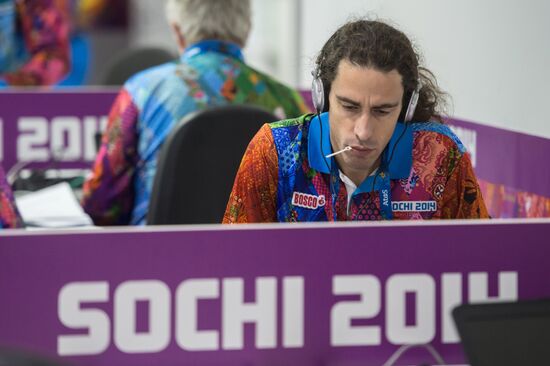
point(9, 216)
point(151, 103)
point(284, 177)
point(34, 41)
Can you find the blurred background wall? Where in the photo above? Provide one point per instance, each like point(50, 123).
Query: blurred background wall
point(490, 55)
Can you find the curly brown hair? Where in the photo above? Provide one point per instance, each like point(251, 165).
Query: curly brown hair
point(375, 44)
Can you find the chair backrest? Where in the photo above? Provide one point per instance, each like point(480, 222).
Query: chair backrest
point(132, 61)
point(505, 333)
point(16, 357)
point(198, 162)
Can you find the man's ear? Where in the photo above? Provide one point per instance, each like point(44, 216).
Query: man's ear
point(182, 44)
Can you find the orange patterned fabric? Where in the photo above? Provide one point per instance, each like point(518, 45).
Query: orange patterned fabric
point(9, 216)
point(441, 172)
point(45, 27)
point(448, 176)
point(255, 189)
point(507, 202)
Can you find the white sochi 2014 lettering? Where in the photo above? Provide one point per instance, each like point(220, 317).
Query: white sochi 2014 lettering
point(468, 137)
point(414, 206)
point(365, 298)
point(63, 138)
point(228, 292)
point(372, 294)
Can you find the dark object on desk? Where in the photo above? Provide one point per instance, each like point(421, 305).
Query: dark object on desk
point(12, 357)
point(198, 163)
point(38, 180)
point(505, 334)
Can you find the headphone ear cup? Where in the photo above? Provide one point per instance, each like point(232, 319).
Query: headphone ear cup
point(318, 94)
point(413, 101)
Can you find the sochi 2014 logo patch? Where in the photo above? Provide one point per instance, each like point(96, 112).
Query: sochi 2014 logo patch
point(308, 200)
point(414, 206)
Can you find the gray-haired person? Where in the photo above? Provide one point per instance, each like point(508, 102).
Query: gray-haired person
point(211, 71)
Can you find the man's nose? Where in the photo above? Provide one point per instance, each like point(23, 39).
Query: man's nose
point(363, 127)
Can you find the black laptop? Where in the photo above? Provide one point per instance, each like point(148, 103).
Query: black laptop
point(505, 333)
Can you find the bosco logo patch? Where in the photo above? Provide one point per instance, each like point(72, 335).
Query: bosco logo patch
point(307, 200)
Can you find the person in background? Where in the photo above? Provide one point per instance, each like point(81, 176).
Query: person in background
point(376, 149)
point(9, 216)
point(34, 42)
point(211, 71)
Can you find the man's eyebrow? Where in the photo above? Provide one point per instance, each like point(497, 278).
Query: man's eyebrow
point(387, 105)
point(350, 101)
point(346, 100)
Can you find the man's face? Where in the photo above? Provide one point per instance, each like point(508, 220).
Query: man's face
point(364, 106)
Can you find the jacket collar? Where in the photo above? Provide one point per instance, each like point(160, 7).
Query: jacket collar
point(227, 48)
point(319, 146)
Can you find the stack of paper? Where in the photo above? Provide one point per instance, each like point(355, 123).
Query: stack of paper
point(52, 207)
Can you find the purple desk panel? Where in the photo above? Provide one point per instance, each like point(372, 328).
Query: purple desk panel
point(260, 295)
point(53, 129)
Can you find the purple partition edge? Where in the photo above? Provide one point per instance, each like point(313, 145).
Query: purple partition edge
point(513, 159)
point(59, 125)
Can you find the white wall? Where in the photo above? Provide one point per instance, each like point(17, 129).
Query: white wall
point(148, 25)
point(492, 56)
point(272, 47)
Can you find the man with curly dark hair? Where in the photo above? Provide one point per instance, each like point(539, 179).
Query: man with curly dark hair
point(375, 150)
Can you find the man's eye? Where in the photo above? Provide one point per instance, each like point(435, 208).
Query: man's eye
point(350, 107)
point(381, 112)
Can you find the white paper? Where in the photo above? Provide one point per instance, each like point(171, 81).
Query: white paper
point(53, 207)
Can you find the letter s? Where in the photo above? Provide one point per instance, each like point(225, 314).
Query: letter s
point(71, 296)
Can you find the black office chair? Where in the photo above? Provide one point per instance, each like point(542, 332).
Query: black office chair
point(15, 357)
point(133, 60)
point(198, 163)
